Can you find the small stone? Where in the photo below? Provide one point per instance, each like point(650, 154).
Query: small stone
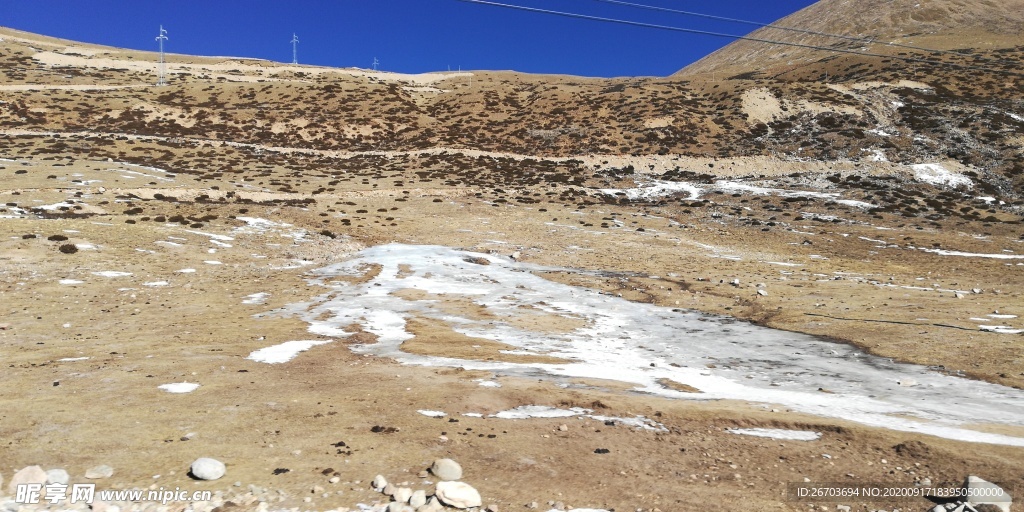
point(402, 494)
point(389, 489)
point(205, 468)
point(491, 508)
point(101, 471)
point(57, 476)
point(958, 295)
point(27, 475)
point(418, 499)
point(762, 293)
point(516, 256)
point(399, 507)
point(458, 495)
point(334, 479)
point(563, 427)
point(423, 474)
point(446, 470)
point(379, 482)
point(843, 508)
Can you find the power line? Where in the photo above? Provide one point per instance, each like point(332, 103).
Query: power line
point(868, 40)
point(733, 36)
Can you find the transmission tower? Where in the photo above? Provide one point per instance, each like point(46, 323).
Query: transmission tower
point(295, 48)
point(163, 68)
point(375, 63)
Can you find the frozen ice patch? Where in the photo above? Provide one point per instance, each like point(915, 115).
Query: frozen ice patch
point(612, 338)
point(156, 284)
point(777, 433)
point(256, 298)
point(432, 414)
point(284, 352)
point(112, 273)
point(538, 411)
point(70, 281)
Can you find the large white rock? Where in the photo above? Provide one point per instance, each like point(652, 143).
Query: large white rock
point(379, 482)
point(983, 492)
point(402, 494)
point(27, 475)
point(458, 494)
point(57, 476)
point(418, 499)
point(205, 468)
point(446, 469)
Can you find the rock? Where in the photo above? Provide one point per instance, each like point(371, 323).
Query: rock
point(395, 506)
point(516, 256)
point(563, 427)
point(205, 468)
point(402, 494)
point(418, 499)
point(491, 508)
point(446, 469)
point(958, 295)
point(101, 471)
point(432, 506)
point(379, 482)
point(843, 508)
point(762, 293)
point(389, 489)
point(27, 475)
point(458, 495)
point(57, 476)
point(983, 492)
point(335, 479)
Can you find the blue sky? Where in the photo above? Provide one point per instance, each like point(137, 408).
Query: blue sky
point(405, 35)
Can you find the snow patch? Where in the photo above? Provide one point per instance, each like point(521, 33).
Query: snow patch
point(938, 175)
point(179, 387)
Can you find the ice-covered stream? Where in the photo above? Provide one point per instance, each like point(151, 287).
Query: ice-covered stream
point(383, 287)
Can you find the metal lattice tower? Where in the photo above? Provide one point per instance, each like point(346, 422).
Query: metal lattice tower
point(163, 67)
point(295, 48)
point(375, 63)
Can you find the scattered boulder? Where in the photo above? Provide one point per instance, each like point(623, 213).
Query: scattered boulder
point(446, 469)
point(57, 476)
point(379, 482)
point(101, 471)
point(983, 492)
point(458, 495)
point(205, 468)
point(27, 475)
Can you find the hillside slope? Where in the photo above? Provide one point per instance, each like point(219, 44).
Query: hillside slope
point(935, 24)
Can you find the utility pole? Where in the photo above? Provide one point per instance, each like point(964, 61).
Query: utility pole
point(162, 80)
point(295, 48)
point(375, 63)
